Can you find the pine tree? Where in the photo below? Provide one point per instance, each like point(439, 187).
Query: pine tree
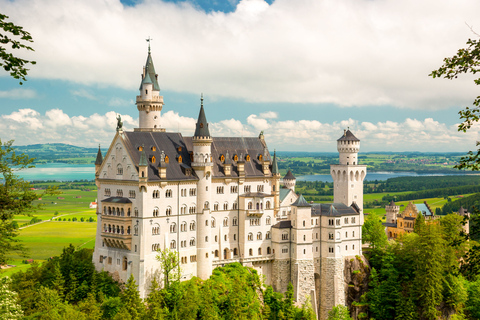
point(288, 308)
point(131, 299)
point(155, 302)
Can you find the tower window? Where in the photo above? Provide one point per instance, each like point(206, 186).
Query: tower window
point(146, 91)
point(201, 125)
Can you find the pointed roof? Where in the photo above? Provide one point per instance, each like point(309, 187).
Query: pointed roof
point(274, 163)
point(301, 202)
point(348, 136)
point(289, 175)
point(150, 73)
point(99, 159)
point(201, 129)
point(143, 159)
point(392, 203)
point(147, 79)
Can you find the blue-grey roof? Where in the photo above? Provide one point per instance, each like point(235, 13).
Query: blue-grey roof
point(284, 224)
point(117, 200)
point(99, 159)
point(143, 159)
point(421, 207)
point(150, 73)
point(201, 129)
point(283, 193)
point(332, 209)
point(301, 202)
point(348, 136)
point(274, 163)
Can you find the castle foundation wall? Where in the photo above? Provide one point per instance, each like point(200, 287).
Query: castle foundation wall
point(332, 288)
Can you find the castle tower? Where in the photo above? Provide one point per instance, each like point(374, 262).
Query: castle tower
point(202, 164)
point(149, 102)
point(289, 181)
point(392, 211)
point(348, 175)
point(302, 270)
point(276, 183)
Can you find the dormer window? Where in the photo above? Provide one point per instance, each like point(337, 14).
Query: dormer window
point(154, 148)
point(201, 125)
point(152, 159)
point(167, 159)
point(179, 149)
point(235, 158)
point(222, 158)
point(260, 157)
point(247, 157)
point(179, 159)
point(140, 148)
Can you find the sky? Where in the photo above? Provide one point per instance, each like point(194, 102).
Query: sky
point(302, 71)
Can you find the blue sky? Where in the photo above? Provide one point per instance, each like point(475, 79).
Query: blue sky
point(302, 70)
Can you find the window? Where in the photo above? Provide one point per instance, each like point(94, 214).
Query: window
point(216, 253)
point(192, 242)
point(173, 244)
point(330, 236)
point(268, 235)
point(330, 249)
point(346, 234)
point(168, 211)
point(285, 236)
point(225, 222)
point(247, 157)
point(109, 260)
point(353, 233)
point(183, 192)
point(168, 193)
point(250, 206)
point(156, 194)
point(119, 169)
point(338, 222)
point(234, 236)
point(345, 220)
point(155, 212)
point(213, 222)
point(233, 189)
point(183, 209)
point(193, 192)
point(267, 205)
point(255, 222)
point(131, 194)
point(136, 212)
point(235, 206)
point(206, 205)
point(173, 227)
point(259, 236)
point(268, 221)
point(246, 189)
point(225, 206)
point(269, 251)
point(250, 236)
point(220, 189)
point(192, 210)
point(234, 221)
point(260, 188)
point(259, 251)
point(119, 193)
point(107, 192)
point(285, 250)
point(215, 207)
point(155, 230)
point(192, 226)
point(155, 246)
point(250, 252)
point(193, 258)
point(353, 220)
point(330, 222)
point(338, 235)
point(101, 259)
point(235, 251)
point(183, 226)
point(216, 238)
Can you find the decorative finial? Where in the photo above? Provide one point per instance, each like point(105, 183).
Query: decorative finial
point(201, 100)
point(148, 40)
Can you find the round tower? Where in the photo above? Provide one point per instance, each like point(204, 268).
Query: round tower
point(348, 146)
point(392, 211)
point(289, 181)
point(202, 164)
point(149, 102)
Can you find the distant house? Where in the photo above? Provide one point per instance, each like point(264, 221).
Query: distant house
point(93, 205)
point(60, 198)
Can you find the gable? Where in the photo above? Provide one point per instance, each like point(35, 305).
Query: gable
point(117, 163)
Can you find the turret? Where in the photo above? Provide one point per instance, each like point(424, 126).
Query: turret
point(149, 102)
point(266, 162)
point(162, 167)
point(143, 171)
point(98, 162)
point(227, 165)
point(276, 183)
point(202, 164)
point(348, 146)
point(392, 212)
point(289, 181)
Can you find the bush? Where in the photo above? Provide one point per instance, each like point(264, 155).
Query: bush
point(82, 219)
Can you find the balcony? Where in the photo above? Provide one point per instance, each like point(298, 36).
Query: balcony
point(254, 213)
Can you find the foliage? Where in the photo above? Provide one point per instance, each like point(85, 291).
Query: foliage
point(169, 266)
point(9, 307)
point(132, 303)
point(339, 312)
point(373, 232)
point(15, 37)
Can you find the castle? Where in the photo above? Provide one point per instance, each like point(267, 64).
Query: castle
point(218, 200)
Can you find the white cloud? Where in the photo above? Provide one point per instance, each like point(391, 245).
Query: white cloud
point(28, 126)
point(83, 93)
point(18, 94)
point(352, 52)
point(269, 115)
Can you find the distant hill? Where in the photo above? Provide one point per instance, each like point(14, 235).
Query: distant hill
point(59, 152)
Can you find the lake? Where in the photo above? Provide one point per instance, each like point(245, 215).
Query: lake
point(69, 172)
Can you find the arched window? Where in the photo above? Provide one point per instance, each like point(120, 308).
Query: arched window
point(269, 251)
point(225, 222)
point(259, 251)
point(235, 252)
point(216, 253)
point(173, 227)
point(268, 221)
point(259, 236)
point(173, 244)
point(183, 226)
point(206, 205)
point(267, 205)
point(192, 226)
point(268, 235)
point(250, 236)
point(215, 206)
point(250, 206)
point(250, 252)
point(225, 206)
point(125, 263)
point(213, 222)
point(234, 221)
point(119, 169)
point(192, 242)
point(168, 211)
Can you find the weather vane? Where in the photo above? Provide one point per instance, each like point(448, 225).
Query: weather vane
point(201, 99)
point(148, 40)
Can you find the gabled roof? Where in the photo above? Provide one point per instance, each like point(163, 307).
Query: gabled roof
point(289, 175)
point(172, 144)
point(348, 136)
point(301, 202)
point(99, 159)
point(284, 193)
point(332, 209)
point(251, 146)
point(424, 209)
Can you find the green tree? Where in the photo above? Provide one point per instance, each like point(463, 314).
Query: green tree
point(473, 301)
point(373, 232)
point(131, 300)
point(9, 307)
point(16, 198)
point(17, 38)
point(339, 312)
point(169, 265)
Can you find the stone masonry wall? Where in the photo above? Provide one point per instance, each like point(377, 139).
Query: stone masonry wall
point(281, 275)
point(332, 288)
point(303, 279)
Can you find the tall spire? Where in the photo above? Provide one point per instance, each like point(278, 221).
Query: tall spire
point(274, 163)
point(143, 159)
point(150, 70)
point(201, 129)
point(99, 159)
